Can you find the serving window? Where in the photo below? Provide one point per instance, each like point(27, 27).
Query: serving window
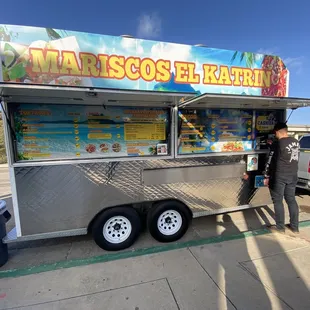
point(203, 131)
point(215, 130)
point(54, 132)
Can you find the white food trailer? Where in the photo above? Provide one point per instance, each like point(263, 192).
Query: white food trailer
point(103, 133)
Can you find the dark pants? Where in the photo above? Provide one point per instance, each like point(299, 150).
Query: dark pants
point(284, 187)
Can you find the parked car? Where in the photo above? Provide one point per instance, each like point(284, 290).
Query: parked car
point(304, 163)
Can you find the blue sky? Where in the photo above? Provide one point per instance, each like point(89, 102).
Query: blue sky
point(276, 27)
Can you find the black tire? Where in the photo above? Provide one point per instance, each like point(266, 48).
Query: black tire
point(98, 226)
point(159, 209)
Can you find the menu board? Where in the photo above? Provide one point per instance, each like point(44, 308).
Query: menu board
point(215, 130)
point(72, 131)
point(265, 121)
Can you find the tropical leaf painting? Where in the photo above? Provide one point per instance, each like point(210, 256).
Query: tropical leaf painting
point(152, 150)
point(271, 63)
point(248, 57)
point(21, 156)
point(53, 34)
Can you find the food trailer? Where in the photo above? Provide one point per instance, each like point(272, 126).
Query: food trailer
point(104, 132)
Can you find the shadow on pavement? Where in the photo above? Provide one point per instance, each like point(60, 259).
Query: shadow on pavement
point(267, 262)
point(230, 274)
point(262, 259)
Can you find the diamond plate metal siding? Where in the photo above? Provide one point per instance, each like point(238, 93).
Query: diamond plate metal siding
point(210, 195)
point(56, 198)
point(188, 162)
point(64, 197)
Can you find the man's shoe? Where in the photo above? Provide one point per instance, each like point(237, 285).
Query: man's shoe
point(275, 229)
point(293, 230)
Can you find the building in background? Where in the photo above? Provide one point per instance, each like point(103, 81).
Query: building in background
point(298, 130)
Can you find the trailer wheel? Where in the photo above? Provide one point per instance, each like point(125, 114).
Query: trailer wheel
point(117, 228)
point(168, 221)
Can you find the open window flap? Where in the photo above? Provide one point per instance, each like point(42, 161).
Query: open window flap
point(243, 102)
point(89, 96)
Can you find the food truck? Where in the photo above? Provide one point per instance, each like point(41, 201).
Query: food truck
point(104, 133)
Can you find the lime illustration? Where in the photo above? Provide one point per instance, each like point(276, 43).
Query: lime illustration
point(9, 58)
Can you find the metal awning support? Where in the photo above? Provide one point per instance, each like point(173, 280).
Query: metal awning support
point(243, 102)
point(18, 93)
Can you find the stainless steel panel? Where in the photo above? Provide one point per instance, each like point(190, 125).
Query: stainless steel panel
point(191, 174)
point(11, 237)
point(191, 161)
point(66, 197)
point(57, 198)
point(210, 195)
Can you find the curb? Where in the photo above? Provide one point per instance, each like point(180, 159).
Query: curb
point(13, 273)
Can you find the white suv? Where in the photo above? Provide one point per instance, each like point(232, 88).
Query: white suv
point(304, 163)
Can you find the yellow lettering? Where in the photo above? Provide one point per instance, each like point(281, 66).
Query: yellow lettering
point(119, 67)
point(266, 78)
point(116, 67)
point(180, 72)
point(69, 64)
point(193, 78)
point(89, 65)
point(236, 72)
point(148, 69)
point(209, 74)
point(247, 77)
point(163, 71)
point(44, 62)
point(224, 78)
point(103, 61)
point(258, 82)
point(131, 65)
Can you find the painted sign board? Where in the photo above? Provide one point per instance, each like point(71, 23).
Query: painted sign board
point(46, 56)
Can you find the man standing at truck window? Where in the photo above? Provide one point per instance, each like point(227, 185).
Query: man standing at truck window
point(281, 177)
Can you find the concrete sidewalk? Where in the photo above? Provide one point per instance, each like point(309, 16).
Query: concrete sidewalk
point(270, 271)
point(221, 263)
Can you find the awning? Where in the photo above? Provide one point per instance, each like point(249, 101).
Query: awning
point(243, 102)
point(18, 93)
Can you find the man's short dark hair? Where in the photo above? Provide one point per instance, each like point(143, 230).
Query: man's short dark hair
point(280, 126)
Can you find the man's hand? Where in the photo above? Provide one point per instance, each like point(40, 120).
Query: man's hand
point(266, 182)
point(245, 176)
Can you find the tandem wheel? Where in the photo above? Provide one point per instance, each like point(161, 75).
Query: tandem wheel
point(116, 228)
point(168, 221)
